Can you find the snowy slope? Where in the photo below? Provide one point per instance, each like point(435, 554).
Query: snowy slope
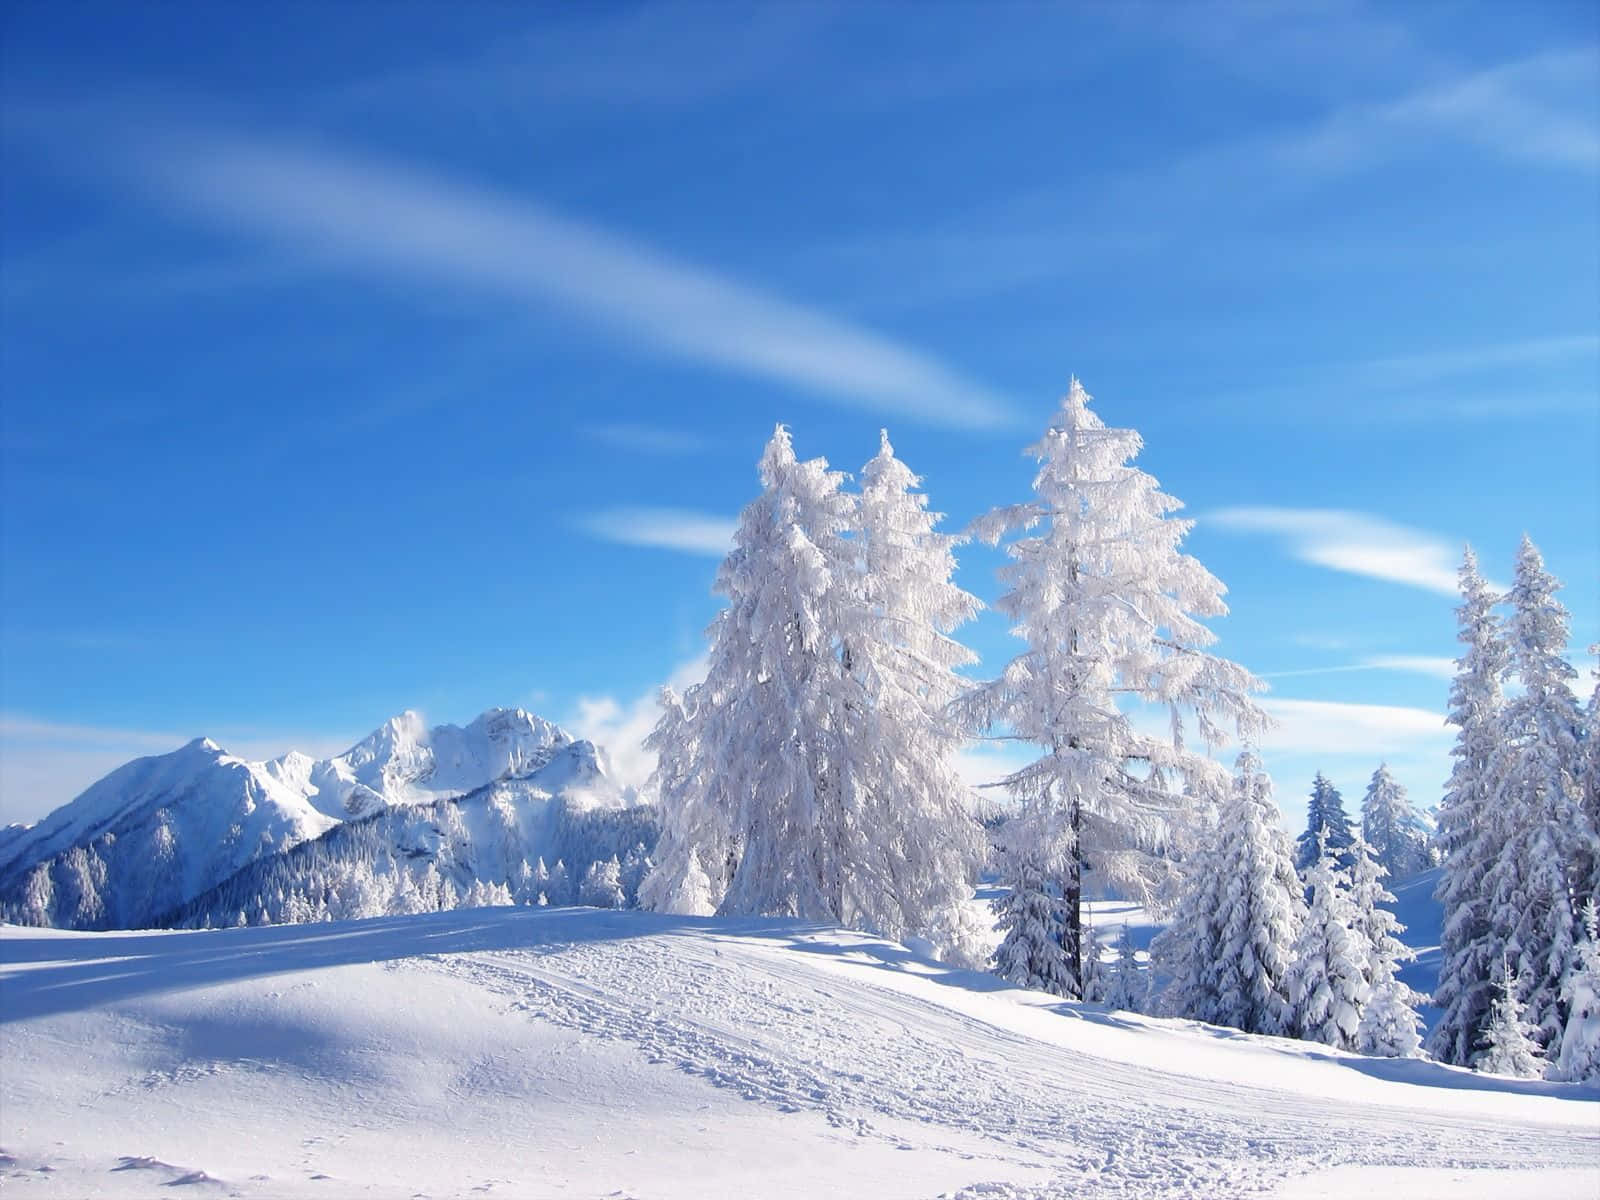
point(158, 831)
point(544, 1052)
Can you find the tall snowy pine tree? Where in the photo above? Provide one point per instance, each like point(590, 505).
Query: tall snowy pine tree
point(1588, 873)
point(811, 773)
point(748, 762)
point(1107, 604)
point(1544, 833)
point(919, 850)
point(1579, 1056)
point(1468, 832)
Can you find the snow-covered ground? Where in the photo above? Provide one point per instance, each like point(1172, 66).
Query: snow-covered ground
point(575, 1052)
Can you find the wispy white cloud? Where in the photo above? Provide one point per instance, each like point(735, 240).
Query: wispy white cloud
point(1411, 369)
point(1436, 667)
point(663, 528)
point(1353, 542)
point(1336, 727)
point(1538, 109)
point(620, 726)
point(395, 220)
point(648, 439)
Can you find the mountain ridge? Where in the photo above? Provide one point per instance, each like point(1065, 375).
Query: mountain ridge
point(159, 830)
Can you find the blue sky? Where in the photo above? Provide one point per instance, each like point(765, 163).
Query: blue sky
point(360, 359)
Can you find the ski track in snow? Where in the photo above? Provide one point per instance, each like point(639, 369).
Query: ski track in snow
point(880, 1064)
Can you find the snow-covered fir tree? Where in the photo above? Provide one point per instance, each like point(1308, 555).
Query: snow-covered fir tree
point(1391, 826)
point(1389, 1022)
point(1579, 1056)
point(1326, 983)
point(697, 851)
point(1031, 917)
point(1324, 813)
point(1094, 967)
point(1508, 1046)
point(602, 885)
point(916, 850)
point(1230, 947)
point(1468, 830)
point(1108, 607)
point(1588, 873)
point(1127, 988)
point(1390, 1026)
point(749, 774)
point(560, 890)
point(811, 774)
point(1543, 834)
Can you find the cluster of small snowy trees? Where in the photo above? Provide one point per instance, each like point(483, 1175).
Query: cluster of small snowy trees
point(1264, 948)
point(811, 773)
point(1520, 829)
point(1395, 831)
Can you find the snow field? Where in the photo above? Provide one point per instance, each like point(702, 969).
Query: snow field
point(572, 1052)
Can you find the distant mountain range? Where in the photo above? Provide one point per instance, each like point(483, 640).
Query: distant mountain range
point(158, 833)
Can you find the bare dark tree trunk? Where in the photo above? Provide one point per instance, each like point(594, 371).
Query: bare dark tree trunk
point(1072, 895)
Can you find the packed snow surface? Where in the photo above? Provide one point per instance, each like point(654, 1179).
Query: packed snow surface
point(574, 1052)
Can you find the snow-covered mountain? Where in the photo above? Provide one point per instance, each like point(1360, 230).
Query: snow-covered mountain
point(159, 831)
point(544, 837)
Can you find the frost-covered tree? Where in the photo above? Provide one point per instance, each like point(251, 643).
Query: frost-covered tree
point(1127, 988)
point(1579, 1056)
point(1032, 920)
point(1508, 1046)
point(1390, 1026)
point(1324, 813)
point(559, 889)
point(1391, 826)
point(1326, 982)
point(811, 774)
point(697, 850)
point(1094, 967)
point(916, 850)
point(1230, 948)
point(1468, 830)
point(1588, 872)
point(1108, 606)
point(1542, 831)
point(749, 779)
point(602, 885)
point(1389, 1022)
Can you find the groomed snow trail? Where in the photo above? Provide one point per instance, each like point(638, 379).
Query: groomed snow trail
point(796, 1031)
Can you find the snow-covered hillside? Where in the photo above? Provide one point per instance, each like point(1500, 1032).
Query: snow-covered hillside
point(567, 1052)
point(158, 831)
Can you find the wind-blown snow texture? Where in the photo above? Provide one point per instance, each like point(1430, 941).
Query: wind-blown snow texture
point(159, 831)
point(543, 1052)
